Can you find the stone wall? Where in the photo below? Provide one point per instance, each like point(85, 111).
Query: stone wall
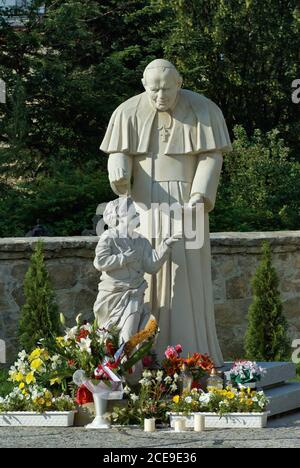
point(235, 258)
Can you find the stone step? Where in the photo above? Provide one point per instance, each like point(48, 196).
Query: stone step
point(277, 372)
point(284, 398)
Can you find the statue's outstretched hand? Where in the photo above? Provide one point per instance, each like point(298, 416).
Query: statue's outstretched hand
point(173, 240)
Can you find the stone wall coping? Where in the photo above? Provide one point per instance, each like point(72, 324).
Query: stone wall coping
point(83, 246)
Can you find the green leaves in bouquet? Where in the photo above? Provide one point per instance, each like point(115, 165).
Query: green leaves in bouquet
point(138, 355)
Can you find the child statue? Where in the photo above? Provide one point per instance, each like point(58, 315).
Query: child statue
point(124, 256)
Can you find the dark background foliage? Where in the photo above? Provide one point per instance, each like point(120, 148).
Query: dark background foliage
point(69, 69)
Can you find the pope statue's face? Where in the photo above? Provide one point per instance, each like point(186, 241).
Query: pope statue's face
point(162, 87)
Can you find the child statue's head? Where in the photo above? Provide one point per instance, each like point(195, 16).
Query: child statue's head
point(121, 214)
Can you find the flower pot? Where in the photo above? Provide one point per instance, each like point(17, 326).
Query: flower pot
point(236, 420)
point(252, 385)
point(32, 419)
point(230, 420)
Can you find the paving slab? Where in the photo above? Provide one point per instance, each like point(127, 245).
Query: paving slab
point(281, 432)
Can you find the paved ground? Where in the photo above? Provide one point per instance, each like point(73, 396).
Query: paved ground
point(281, 433)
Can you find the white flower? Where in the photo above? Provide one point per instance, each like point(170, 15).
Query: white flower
point(175, 376)
point(159, 376)
point(168, 380)
point(205, 398)
point(173, 387)
point(85, 345)
point(22, 355)
point(55, 358)
point(134, 397)
point(71, 334)
point(143, 381)
point(147, 374)
point(126, 390)
point(188, 399)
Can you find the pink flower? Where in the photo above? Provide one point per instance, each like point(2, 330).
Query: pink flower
point(171, 352)
point(178, 348)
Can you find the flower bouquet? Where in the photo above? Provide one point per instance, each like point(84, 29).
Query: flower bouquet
point(198, 365)
point(246, 374)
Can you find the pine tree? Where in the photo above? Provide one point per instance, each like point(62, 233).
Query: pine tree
point(266, 337)
point(39, 315)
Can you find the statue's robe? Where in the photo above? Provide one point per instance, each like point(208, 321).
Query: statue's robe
point(168, 157)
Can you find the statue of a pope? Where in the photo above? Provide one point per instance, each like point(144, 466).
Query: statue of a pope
point(165, 146)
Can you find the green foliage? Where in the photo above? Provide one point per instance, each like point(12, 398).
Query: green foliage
point(65, 75)
point(39, 315)
point(5, 385)
point(260, 185)
point(72, 67)
point(244, 55)
point(266, 338)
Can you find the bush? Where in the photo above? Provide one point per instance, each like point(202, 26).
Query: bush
point(266, 338)
point(39, 315)
point(260, 186)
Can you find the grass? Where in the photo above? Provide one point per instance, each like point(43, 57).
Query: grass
point(5, 386)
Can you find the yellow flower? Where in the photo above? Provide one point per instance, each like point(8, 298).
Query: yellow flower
point(41, 401)
point(36, 364)
point(230, 395)
point(48, 404)
point(60, 340)
point(30, 378)
point(55, 380)
point(249, 402)
point(17, 377)
point(176, 399)
point(21, 386)
point(48, 395)
point(36, 353)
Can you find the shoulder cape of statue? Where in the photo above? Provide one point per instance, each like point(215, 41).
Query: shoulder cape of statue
point(199, 126)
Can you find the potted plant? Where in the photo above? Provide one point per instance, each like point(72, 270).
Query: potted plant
point(246, 374)
point(36, 406)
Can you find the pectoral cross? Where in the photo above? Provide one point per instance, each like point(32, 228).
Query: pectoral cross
point(164, 125)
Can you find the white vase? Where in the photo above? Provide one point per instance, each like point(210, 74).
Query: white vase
point(100, 407)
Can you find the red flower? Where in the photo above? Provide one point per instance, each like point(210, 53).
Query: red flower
point(82, 334)
point(147, 361)
point(110, 348)
point(83, 396)
point(71, 363)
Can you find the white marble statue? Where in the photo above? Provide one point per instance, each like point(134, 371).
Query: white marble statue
point(124, 256)
point(165, 145)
